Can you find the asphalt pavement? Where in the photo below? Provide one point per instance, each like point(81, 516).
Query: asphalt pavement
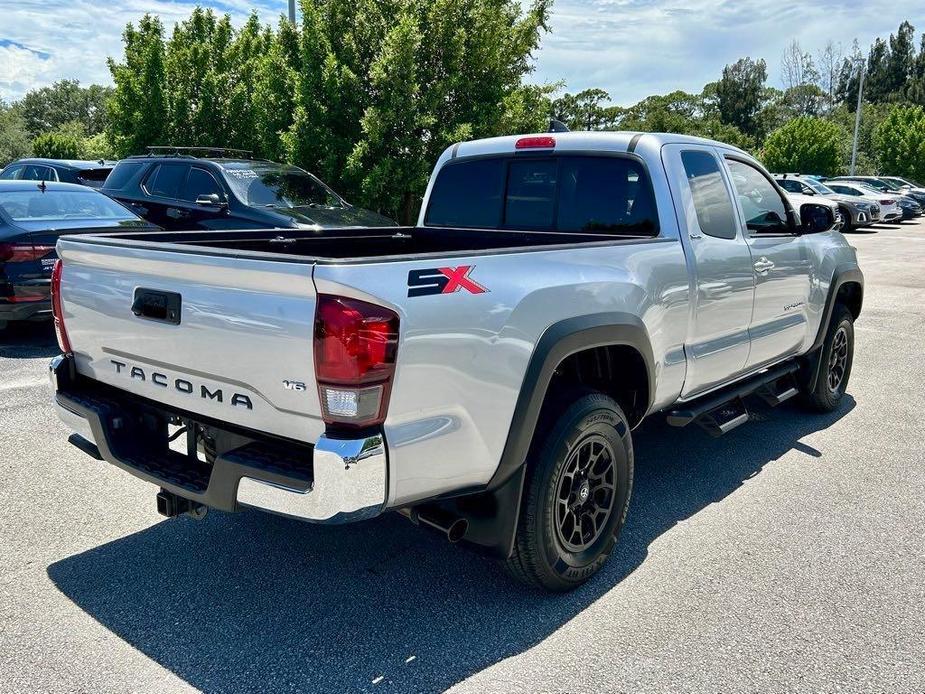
point(788, 555)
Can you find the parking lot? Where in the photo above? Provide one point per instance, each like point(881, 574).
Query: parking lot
point(788, 555)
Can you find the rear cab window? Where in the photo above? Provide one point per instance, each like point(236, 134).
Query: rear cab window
point(715, 213)
point(569, 193)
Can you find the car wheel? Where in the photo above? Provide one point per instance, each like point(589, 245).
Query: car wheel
point(846, 219)
point(576, 495)
point(836, 357)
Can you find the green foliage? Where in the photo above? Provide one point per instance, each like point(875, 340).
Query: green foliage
point(138, 108)
point(65, 101)
point(97, 147)
point(805, 144)
point(14, 137)
point(586, 110)
point(56, 145)
point(900, 139)
point(739, 95)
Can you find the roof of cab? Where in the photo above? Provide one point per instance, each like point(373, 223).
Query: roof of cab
point(615, 141)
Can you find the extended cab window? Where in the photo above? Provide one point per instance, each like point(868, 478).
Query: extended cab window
point(762, 205)
point(712, 203)
point(561, 193)
point(165, 180)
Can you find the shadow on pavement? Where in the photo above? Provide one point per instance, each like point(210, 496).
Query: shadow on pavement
point(29, 340)
point(253, 602)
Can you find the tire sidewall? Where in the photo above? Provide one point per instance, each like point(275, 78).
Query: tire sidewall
point(843, 320)
point(588, 416)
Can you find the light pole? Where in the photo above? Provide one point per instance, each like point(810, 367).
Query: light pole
point(292, 11)
point(857, 117)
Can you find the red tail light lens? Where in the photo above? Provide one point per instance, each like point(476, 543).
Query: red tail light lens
point(63, 342)
point(542, 142)
point(19, 252)
point(355, 347)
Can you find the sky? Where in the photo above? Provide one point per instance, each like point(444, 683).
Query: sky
point(630, 48)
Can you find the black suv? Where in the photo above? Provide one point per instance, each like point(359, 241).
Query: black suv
point(86, 173)
point(177, 190)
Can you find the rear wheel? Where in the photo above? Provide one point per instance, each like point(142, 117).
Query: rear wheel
point(837, 357)
point(576, 495)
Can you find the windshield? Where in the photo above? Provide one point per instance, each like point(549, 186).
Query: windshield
point(51, 205)
point(871, 190)
point(818, 187)
point(273, 185)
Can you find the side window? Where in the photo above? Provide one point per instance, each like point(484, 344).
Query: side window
point(715, 213)
point(11, 173)
point(790, 185)
point(763, 207)
point(33, 172)
point(531, 194)
point(200, 182)
point(164, 181)
point(121, 175)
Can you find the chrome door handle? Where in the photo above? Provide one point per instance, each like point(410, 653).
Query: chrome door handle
point(764, 265)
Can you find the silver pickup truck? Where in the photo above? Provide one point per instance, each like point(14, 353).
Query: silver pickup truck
point(481, 372)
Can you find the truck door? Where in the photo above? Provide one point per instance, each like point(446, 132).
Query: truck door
point(782, 265)
point(722, 278)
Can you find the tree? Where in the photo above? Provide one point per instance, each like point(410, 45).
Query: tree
point(915, 88)
point(584, 110)
point(14, 137)
point(900, 60)
point(901, 141)
point(56, 145)
point(829, 61)
point(806, 144)
point(797, 67)
point(138, 108)
point(739, 93)
point(65, 101)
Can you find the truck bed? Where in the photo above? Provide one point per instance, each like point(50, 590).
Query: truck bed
point(355, 244)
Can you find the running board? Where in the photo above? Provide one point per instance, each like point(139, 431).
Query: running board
point(721, 412)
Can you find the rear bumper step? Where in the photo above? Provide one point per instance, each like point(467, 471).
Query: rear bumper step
point(334, 481)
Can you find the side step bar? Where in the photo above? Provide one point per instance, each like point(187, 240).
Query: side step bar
point(721, 412)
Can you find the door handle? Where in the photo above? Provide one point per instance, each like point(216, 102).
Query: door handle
point(175, 213)
point(764, 265)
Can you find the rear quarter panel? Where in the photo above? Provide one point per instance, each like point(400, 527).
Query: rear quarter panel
point(462, 357)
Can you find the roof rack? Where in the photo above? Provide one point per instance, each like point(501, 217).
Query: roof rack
point(220, 152)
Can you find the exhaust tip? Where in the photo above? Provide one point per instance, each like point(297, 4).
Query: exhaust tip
point(457, 530)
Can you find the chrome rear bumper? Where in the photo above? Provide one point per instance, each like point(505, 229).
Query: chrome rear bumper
point(337, 480)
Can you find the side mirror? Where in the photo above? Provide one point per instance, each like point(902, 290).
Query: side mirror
point(815, 219)
point(211, 200)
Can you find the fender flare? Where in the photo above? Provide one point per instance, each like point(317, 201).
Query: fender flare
point(840, 277)
point(559, 341)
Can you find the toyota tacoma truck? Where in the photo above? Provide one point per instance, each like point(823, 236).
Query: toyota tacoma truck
point(481, 372)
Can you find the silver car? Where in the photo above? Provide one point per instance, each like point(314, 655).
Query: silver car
point(855, 212)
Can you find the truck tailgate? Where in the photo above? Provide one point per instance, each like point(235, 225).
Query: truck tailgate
point(244, 327)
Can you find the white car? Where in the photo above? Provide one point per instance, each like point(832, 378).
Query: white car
point(890, 211)
point(798, 200)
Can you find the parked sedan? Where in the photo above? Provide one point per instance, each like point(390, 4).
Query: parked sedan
point(86, 173)
point(907, 187)
point(32, 217)
point(890, 211)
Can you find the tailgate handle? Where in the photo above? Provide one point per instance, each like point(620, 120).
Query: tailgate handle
point(157, 305)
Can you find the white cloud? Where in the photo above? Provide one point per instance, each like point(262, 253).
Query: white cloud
point(631, 48)
point(78, 35)
point(635, 48)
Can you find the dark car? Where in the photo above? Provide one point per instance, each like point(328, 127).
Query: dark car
point(85, 173)
point(179, 191)
point(884, 185)
point(32, 217)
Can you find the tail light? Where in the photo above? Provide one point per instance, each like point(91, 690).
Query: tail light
point(63, 342)
point(541, 142)
point(19, 252)
point(355, 346)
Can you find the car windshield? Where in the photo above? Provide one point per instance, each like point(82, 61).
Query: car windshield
point(871, 190)
point(52, 205)
point(272, 185)
point(818, 187)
